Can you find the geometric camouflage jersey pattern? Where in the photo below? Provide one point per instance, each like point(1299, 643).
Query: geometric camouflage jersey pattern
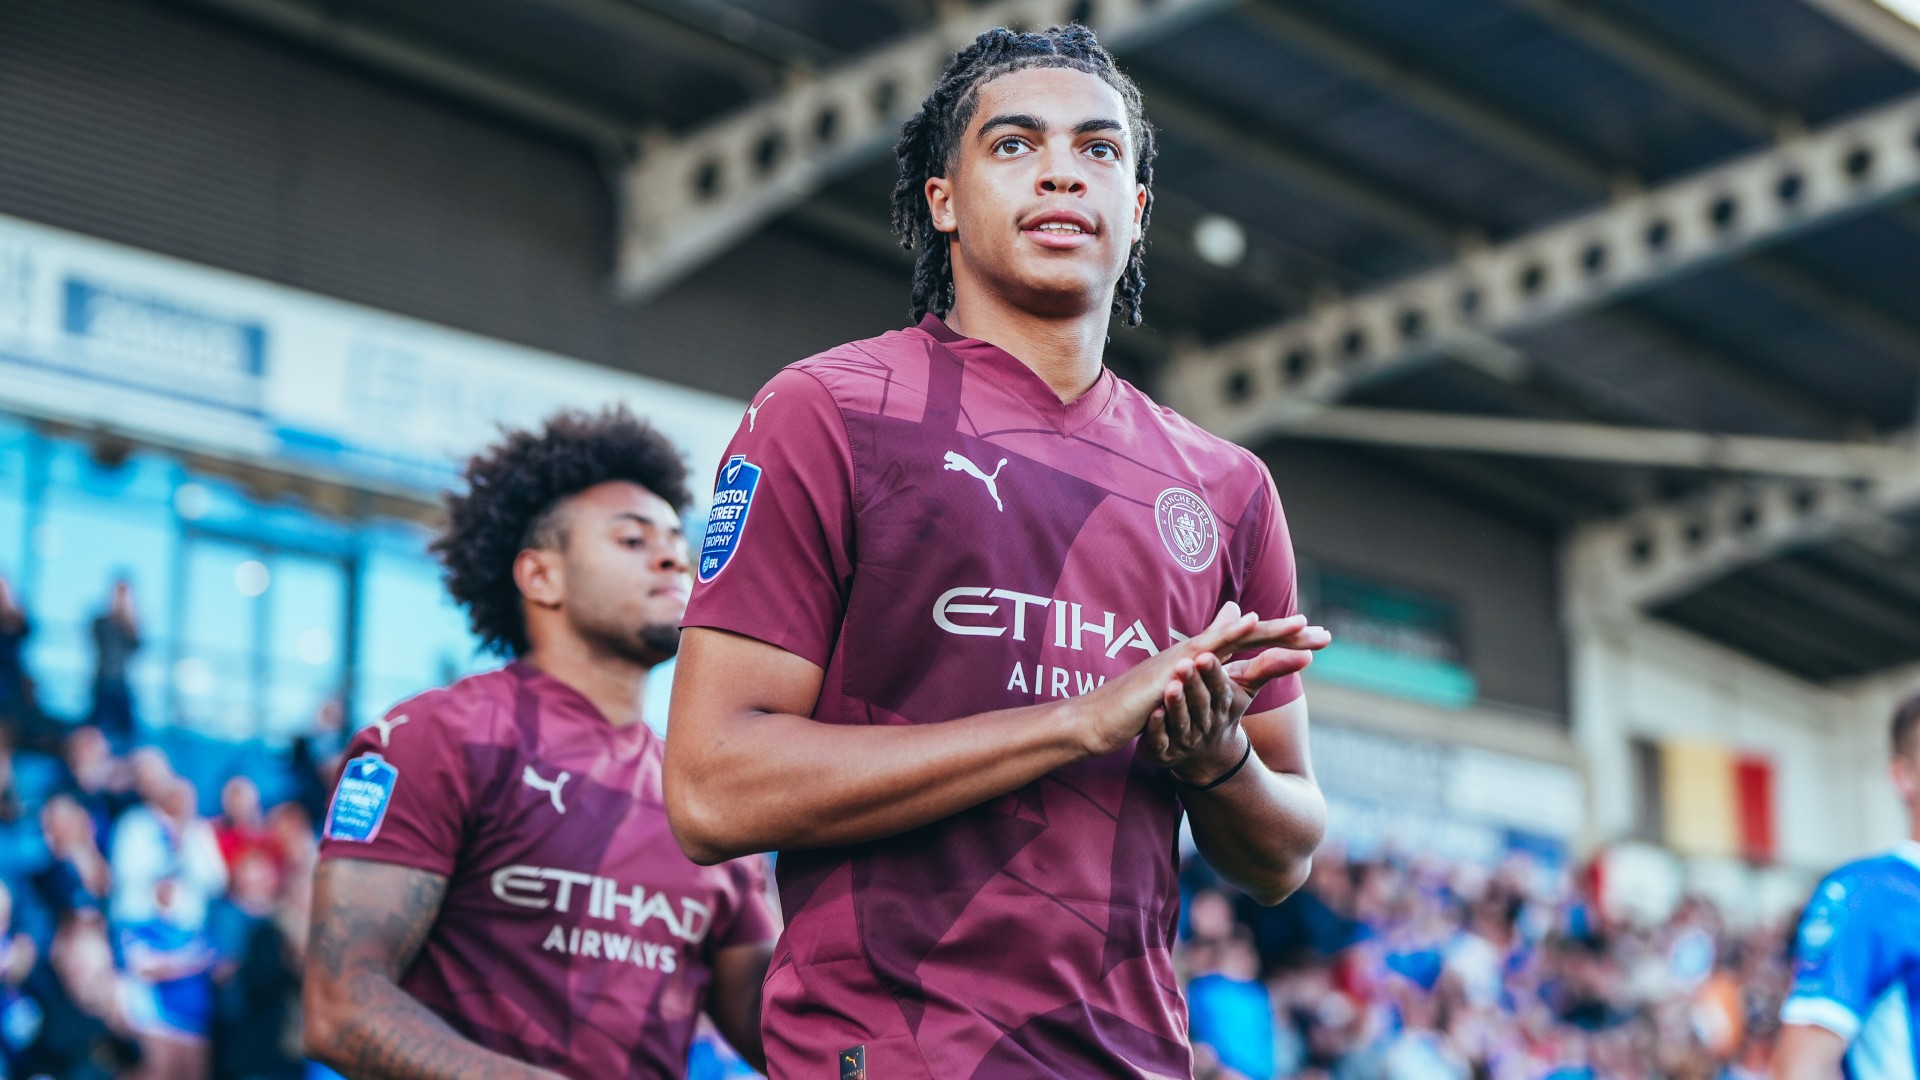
point(920, 516)
point(574, 934)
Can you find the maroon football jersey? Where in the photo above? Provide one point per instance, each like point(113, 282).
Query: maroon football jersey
point(920, 515)
point(574, 935)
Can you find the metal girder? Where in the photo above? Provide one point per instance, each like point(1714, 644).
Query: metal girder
point(1876, 23)
point(1663, 64)
point(1667, 550)
point(458, 77)
point(1492, 125)
point(1264, 380)
point(685, 199)
point(1605, 443)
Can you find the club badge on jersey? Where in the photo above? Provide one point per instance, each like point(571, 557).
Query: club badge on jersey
point(732, 498)
point(360, 801)
point(1187, 528)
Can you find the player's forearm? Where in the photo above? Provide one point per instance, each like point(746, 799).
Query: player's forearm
point(774, 781)
point(739, 975)
point(378, 1031)
point(1259, 830)
point(1805, 1052)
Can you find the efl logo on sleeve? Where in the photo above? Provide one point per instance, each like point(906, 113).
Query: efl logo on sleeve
point(360, 802)
point(732, 498)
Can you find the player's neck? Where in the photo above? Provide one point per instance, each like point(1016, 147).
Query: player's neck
point(617, 687)
point(1065, 352)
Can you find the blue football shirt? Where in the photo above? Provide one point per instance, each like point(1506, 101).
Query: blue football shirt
point(1857, 965)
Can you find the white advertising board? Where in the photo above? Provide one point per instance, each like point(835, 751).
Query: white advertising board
point(1425, 794)
point(174, 353)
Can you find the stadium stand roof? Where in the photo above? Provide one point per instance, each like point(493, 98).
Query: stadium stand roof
point(1641, 272)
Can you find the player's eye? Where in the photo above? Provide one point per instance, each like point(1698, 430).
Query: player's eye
point(1103, 151)
point(1009, 146)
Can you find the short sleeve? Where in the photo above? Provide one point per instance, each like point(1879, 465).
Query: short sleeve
point(776, 563)
point(1271, 587)
point(403, 792)
point(1834, 976)
point(754, 921)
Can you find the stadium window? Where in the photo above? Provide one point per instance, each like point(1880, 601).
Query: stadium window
point(93, 522)
point(410, 636)
point(216, 677)
point(305, 641)
point(15, 456)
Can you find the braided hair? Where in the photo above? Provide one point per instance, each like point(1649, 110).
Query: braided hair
point(930, 138)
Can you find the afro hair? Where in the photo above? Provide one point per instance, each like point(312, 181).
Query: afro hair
point(513, 489)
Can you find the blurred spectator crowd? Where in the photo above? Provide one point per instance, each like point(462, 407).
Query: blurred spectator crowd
point(143, 932)
point(148, 932)
point(1402, 967)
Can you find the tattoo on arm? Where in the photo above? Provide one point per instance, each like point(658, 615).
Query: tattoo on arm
point(370, 921)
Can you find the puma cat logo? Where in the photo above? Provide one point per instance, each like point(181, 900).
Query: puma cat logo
point(753, 411)
point(386, 727)
point(958, 462)
point(552, 787)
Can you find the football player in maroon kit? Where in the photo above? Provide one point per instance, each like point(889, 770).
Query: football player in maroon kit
point(499, 893)
point(991, 599)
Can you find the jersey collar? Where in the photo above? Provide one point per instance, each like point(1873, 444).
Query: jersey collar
point(1007, 372)
point(1908, 850)
point(574, 706)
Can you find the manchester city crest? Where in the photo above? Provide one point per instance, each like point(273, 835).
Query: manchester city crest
point(1187, 528)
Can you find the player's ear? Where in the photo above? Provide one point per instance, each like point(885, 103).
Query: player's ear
point(1906, 778)
point(939, 191)
point(1139, 211)
point(541, 575)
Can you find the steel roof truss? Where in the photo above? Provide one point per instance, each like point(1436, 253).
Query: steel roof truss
point(686, 199)
point(1264, 380)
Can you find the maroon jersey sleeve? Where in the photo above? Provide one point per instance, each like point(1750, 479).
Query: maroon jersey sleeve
point(1271, 588)
point(754, 922)
point(417, 753)
point(780, 568)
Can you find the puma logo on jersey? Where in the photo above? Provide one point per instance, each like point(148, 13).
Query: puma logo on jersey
point(753, 411)
point(958, 462)
point(386, 727)
point(552, 787)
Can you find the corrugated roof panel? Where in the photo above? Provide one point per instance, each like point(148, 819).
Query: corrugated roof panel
point(1798, 54)
point(1791, 343)
point(1541, 75)
point(1243, 71)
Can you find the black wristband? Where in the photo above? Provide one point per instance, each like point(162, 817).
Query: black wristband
point(1223, 777)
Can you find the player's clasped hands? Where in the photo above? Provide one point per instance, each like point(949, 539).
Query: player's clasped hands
point(1186, 703)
